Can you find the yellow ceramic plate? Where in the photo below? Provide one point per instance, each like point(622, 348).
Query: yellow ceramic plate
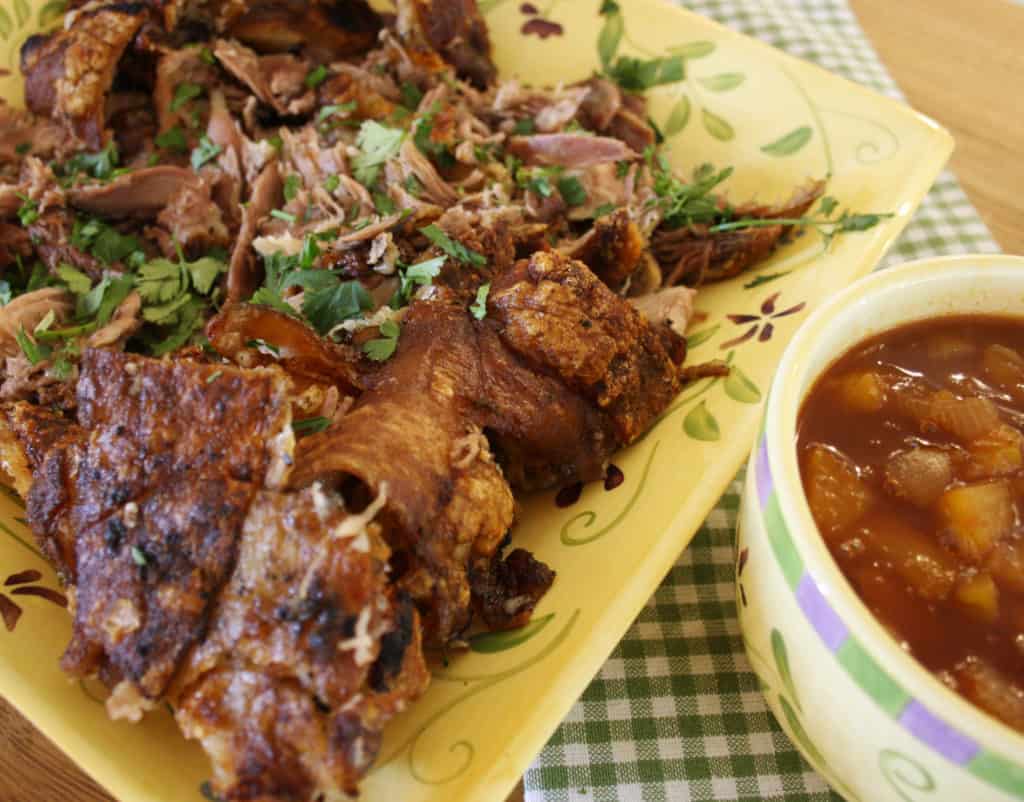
point(489, 711)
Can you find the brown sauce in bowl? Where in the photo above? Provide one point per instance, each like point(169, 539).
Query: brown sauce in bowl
point(911, 450)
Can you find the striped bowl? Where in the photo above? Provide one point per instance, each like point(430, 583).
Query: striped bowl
point(862, 711)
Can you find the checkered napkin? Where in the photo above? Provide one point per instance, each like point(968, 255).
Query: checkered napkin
point(675, 714)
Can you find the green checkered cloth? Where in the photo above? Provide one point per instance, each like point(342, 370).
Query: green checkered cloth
point(675, 713)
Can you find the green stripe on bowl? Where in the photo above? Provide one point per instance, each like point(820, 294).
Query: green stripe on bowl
point(998, 771)
point(872, 678)
point(789, 558)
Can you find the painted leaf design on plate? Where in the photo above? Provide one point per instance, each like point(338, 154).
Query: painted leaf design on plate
point(610, 37)
point(702, 336)
point(23, 12)
point(678, 118)
point(6, 24)
point(51, 12)
point(740, 387)
point(492, 642)
point(700, 424)
point(782, 664)
point(790, 143)
point(903, 774)
point(697, 49)
point(717, 127)
point(723, 82)
point(800, 734)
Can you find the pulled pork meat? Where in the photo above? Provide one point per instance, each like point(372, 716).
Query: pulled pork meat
point(301, 296)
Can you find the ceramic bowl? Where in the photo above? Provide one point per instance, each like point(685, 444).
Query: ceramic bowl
point(862, 711)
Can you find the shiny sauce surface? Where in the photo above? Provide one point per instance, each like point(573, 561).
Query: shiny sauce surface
point(911, 451)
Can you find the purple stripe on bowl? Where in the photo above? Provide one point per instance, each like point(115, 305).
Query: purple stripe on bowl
point(822, 617)
point(763, 474)
point(938, 734)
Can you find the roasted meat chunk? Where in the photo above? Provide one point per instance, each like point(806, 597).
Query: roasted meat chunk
point(310, 652)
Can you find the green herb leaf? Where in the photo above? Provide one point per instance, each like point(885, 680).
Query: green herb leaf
point(292, 184)
point(638, 75)
point(421, 274)
point(172, 139)
point(326, 307)
point(456, 250)
point(316, 76)
point(99, 165)
point(572, 191)
point(28, 212)
point(377, 144)
point(160, 281)
point(34, 352)
point(139, 557)
point(5, 292)
point(524, 126)
point(310, 425)
point(411, 96)
point(183, 93)
point(383, 204)
point(214, 376)
point(111, 297)
point(280, 214)
point(205, 152)
point(263, 346)
point(45, 323)
point(207, 56)
point(109, 245)
point(265, 296)
point(204, 273)
point(77, 281)
point(384, 346)
point(331, 183)
point(603, 209)
point(479, 307)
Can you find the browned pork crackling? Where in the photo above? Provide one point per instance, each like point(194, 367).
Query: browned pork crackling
point(296, 297)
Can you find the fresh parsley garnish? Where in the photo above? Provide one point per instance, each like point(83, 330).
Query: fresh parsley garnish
point(456, 250)
point(280, 214)
point(34, 352)
point(292, 185)
point(523, 126)
point(411, 95)
point(479, 307)
point(638, 75)
point(330, 305)
point(183, 93)
point(101, 165)
point(377, 144)
point(77, 281)
point(331, 183)
point(28, 212)
point(205, 152)
point(172, 139)
point(381, 348)
point(421, 274)
point(310, 425)
point(139, 557)
point(572, 191)
point(316, 76)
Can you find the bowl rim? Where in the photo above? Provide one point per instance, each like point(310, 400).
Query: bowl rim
point(775, 449)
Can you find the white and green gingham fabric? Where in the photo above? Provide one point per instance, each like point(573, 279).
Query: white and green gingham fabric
point(675, 714)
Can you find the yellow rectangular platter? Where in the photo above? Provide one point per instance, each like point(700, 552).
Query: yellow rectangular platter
point(779, 122)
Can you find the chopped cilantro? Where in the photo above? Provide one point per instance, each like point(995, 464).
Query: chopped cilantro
point(292, 184)
point(5, 292)
point(207, 56)
point(622, 168)
point(326, 307)
point(383, 204)
point(572, 191)
point(310, 251)
point(172, 139)
point(421, 274)
point(603, 209)
point(22, 148)
point(327, 112)
point(456, 250)
point(214, 376)
point(183, 93)
point(206, 151)
point(423, 137)
point(479, 307)
point(638, 75)
point(377, 144)
point(28, 212)
point(264, 347)
point(524, 125)
point(411, 95)
point(99, 165)
point(77, 281)
point(45, 323)
point(265, 296)
point(310, 425)
point(288, 217)
point(34, 352)
point(316, 76)
point(331, 183)
point(381, 348)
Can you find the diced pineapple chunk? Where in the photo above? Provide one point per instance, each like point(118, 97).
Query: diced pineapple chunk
point(949, 346)
point(980, 596)
point(1004, 367)
point(862, 391)
point(991, 690)
point(967, 419)
point(836, 494)
point(998, 453)
point(1006, 564)
point(925, 565)
point(919, 475)
point(977, 516)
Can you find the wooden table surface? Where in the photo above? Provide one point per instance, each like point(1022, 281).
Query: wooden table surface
point(960, 63)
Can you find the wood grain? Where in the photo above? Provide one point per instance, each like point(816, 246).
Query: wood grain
point(961, 64)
